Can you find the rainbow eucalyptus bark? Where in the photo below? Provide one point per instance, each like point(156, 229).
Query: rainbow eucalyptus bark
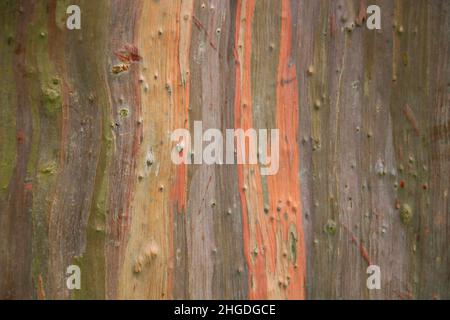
point(87, 181)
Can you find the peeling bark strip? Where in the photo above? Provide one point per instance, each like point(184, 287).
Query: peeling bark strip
point(86, 176)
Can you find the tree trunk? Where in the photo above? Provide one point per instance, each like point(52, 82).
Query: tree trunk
point(87, 178)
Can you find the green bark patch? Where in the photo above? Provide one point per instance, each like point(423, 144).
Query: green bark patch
point(49, 168)
point(331, 227)
point(406, 213)
point(8, 96)
point(52, 99)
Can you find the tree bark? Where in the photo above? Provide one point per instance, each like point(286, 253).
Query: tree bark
point(86, 176)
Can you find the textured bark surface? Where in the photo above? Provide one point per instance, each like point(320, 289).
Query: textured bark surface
point(86, 176)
